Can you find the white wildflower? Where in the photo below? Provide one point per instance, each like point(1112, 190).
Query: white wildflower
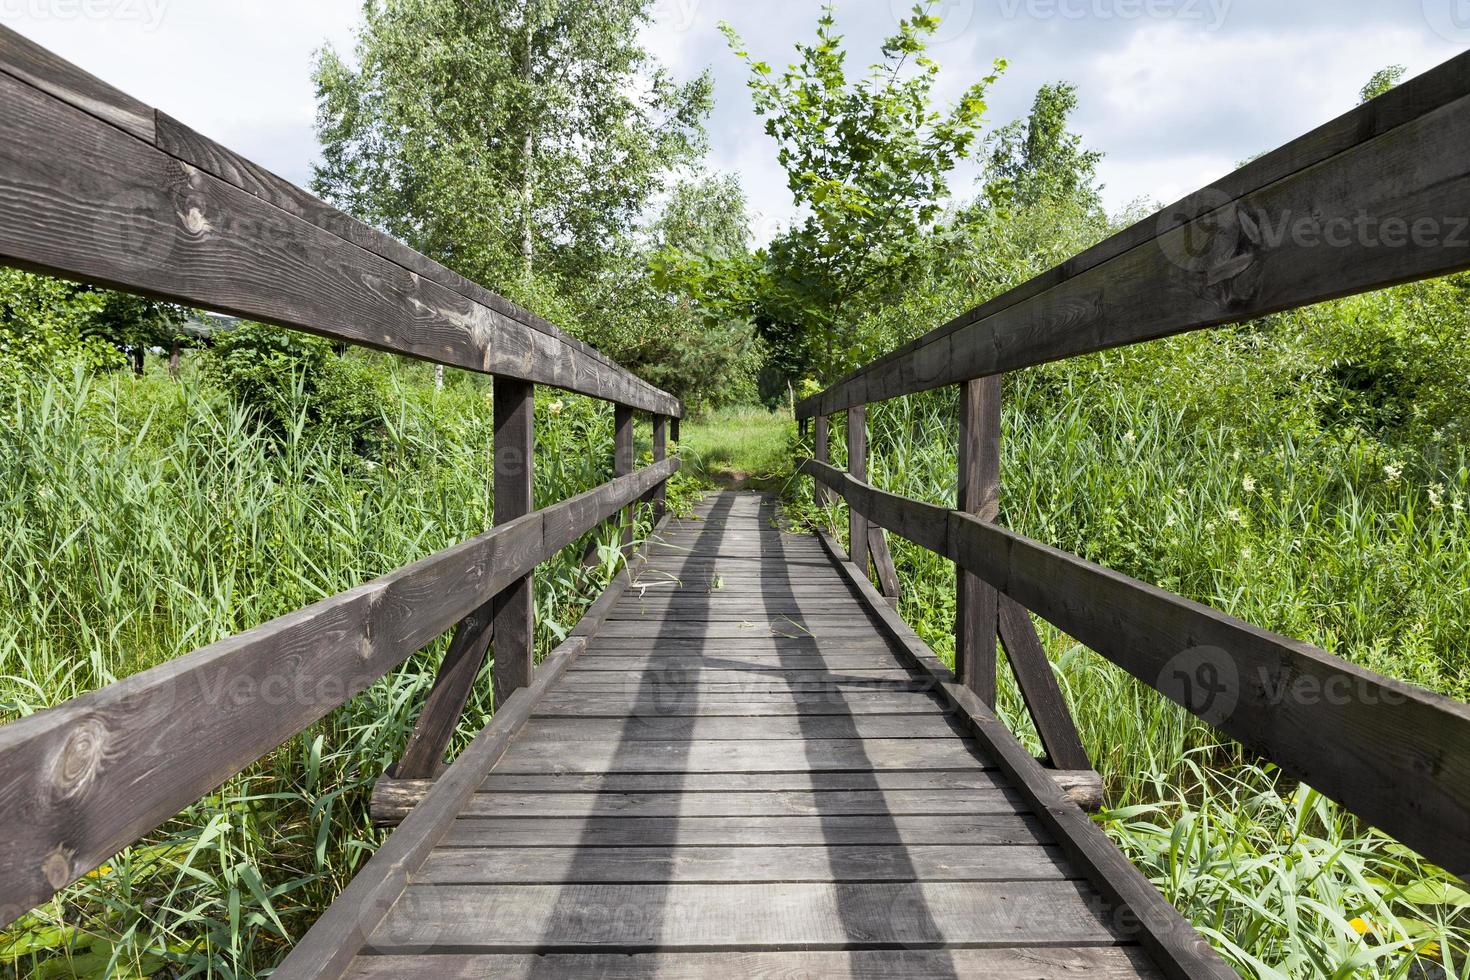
point(1234, 516)
point(1393, 471)
point(556, 407)
point(1249, 483)
point(1436, 495)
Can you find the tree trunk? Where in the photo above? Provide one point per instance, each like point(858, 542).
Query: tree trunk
point(528, 150)
point(137, 353)
point(438, 377)
point(173, 361)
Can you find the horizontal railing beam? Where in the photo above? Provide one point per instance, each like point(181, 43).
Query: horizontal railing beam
point(1396, 755)
point(1375, 198)
point(96, 187)
point(81, 781)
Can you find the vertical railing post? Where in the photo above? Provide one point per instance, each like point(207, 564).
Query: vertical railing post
point(857, 465)
point(660, 453)
point(623, 465)
point(979, 494)
point(515, 410)
point(822, 454)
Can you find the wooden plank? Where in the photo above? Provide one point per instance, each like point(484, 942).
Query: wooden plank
point(1040, 690)
point(932, 780)
point(515, 448)
point(883, 565)
point(912, 964)
point(29, 62)
point(637, 663)
point(623, 463)
point(846, 803)
point(623, 646)
point(660, 452)
point(604, 704)
point(857, 464)
point(1342, 162)
point(82, 780)
point(1177, 948)
point(822, 454)
point(327, 949)
point(766, 627)
point(979, 493)
point(658, 729)
point(714, 865)
point(659, 678)
point(1369, 742)
point(423, 757)
point(179, 141)
point(134, 217)
point(991, 830)
point(530, 756)
point(549, 918)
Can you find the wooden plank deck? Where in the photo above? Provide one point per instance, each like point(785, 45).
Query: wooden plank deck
point(744, 775)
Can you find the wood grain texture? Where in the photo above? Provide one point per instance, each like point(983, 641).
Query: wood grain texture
point(82, 198)
point(979, 494)
point(1043, 696)
point(717, 728)
point(1178, 950)
point(864, 755)
point(80, 781)
point(857, 464)
point(712, 865)
point(27, 61)
point(328, 948)
point(515, 449)
point(989, 829)
point(810, 803)
point(1031, 963)
point(1361, 163)
point(1395, 754)
point(741, 917)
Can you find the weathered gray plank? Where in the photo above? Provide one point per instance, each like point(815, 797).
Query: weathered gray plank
point(648, 728)
point(631, 663)
point(31, 63)
point(136, 218)
point(764, 626)
point(978, 493)
point(911, 964)
point(763, 916)
point(532, 756)
point(713, 865)
point(604, 704)
point(514, 468)
point(946, 780)
point(848, 803)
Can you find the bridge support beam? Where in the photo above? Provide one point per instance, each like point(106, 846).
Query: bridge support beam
point(660, 453)
point(977, 615)
point(623, 465)
point(857, 465)
point(515, 403)
point(822, 454)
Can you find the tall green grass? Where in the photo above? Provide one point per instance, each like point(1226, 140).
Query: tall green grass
point(1326, 535)
point(143, 519)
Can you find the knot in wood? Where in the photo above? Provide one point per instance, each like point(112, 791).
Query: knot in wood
point(78, 760)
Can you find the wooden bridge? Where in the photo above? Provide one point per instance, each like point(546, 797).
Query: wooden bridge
point(741, 762)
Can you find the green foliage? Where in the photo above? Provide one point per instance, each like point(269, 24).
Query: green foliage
point(1382, 81)
point(289, 380)
point(1041, 162)
point(867, 160)
point(504, 138)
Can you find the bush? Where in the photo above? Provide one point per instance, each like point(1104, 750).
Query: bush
point(287, 379)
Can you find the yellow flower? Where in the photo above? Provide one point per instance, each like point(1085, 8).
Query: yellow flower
point(1360, 926)
point(101, 871)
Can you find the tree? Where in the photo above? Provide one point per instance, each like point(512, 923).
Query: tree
point(1382, 81)
point(867, 162)
point(1039, 160)
point(506, 139)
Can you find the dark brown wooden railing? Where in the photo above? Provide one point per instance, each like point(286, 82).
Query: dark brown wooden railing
point(95, 186)
point(1375, 198)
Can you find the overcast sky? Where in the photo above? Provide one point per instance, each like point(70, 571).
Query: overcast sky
point(1174, 92)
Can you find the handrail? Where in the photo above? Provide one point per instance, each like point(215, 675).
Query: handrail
point(1397, 755)
point(98, 187)
point(1266, 238)
point(152, 207)
point(1377, 197)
